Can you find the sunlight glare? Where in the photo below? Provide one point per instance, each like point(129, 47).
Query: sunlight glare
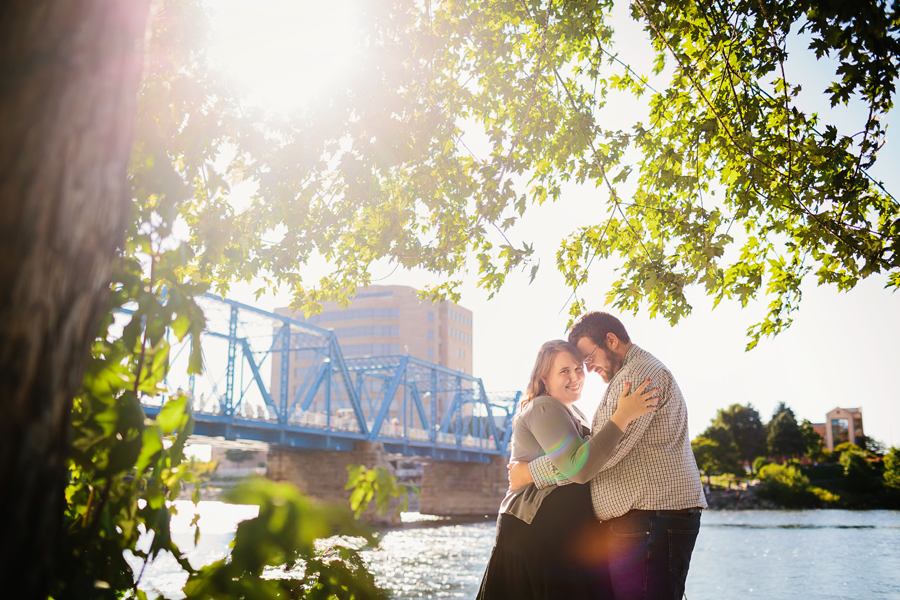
point(284, 53)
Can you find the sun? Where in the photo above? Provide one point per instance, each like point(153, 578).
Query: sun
point(284, 53)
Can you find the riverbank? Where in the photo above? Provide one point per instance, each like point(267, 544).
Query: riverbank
point(738, 499)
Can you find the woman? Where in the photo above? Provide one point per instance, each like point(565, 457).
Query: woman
point(542, 549)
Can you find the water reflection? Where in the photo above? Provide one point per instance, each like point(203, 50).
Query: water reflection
point(739, 554)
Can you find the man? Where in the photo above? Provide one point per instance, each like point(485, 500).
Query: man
point(648, 494)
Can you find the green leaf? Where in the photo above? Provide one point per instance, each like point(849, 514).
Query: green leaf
point(173, 415)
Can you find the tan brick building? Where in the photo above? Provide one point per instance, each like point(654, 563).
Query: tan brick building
point(843, 425)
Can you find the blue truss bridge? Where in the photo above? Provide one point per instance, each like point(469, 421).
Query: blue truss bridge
point(270, 378)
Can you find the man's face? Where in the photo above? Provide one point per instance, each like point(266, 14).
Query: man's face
point(598, 359)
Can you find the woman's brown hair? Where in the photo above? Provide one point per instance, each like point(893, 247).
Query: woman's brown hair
point(541, 370)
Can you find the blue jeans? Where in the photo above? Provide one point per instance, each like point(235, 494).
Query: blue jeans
point(649, 554)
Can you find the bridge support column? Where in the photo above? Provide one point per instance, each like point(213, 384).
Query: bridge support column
point(322, 474)
point(452, 488)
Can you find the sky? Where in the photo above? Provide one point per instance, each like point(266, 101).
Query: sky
point(842, 349)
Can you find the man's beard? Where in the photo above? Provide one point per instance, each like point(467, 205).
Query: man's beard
point(615, 363)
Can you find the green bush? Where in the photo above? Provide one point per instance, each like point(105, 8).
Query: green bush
point(825, 496)
point(823, 472)
point(892, 468)
point(759, 462)
point(829, 456)
point(787, 486)
point(841, 448)
point(857, 470)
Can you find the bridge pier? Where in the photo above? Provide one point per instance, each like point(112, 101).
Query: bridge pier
point(454, 488)
point(322, 474)
point(448, 488)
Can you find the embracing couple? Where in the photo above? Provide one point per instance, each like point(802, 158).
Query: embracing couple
point(608, 510)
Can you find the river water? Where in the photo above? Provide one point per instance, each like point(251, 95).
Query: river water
point(776, 554)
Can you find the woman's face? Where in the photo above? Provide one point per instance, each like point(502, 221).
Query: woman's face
point(566, 378)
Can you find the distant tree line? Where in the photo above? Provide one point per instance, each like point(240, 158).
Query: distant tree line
point(738, 443)
point(737, 437)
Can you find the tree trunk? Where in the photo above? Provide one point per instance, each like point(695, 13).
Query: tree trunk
point(69, 75)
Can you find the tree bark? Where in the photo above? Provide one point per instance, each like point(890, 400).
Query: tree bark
point(69, 75)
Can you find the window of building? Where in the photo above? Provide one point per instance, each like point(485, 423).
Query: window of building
point(431, 334)
point(354, 313)
point(840, 431)
point(374, 294)
point(370, 349)
point(431, 354)
point(431, 316)
point(373, 330)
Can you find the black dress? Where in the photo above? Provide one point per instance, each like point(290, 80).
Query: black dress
point(558, 556)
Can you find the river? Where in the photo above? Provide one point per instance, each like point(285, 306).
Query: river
point(775, 554)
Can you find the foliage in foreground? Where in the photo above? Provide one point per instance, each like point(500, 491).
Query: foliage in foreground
point(288, 551)
point(379, 485)
point(125, 470)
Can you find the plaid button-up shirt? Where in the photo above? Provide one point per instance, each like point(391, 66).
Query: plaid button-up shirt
point(653, 467)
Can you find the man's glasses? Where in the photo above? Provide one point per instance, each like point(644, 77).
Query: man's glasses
point(590, 357)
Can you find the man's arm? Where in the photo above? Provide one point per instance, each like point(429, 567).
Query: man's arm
point(520, 474)
point(544, 474)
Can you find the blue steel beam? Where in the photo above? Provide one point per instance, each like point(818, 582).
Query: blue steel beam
point(389, 397)
point(284, 319)
point(355, 401)
point(433, 429)
point(285, 334)
point(454, 405)
point(311, 392)
point(228, 407)
point(312, 375)
point(420, 408)
point(267, 397)
point(491, 429)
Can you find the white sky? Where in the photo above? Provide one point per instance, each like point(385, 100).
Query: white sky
point(842, 349)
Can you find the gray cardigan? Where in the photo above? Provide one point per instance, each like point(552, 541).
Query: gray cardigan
point(546, 426)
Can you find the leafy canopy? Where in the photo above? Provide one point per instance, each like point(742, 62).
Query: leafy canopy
point(463, 114)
